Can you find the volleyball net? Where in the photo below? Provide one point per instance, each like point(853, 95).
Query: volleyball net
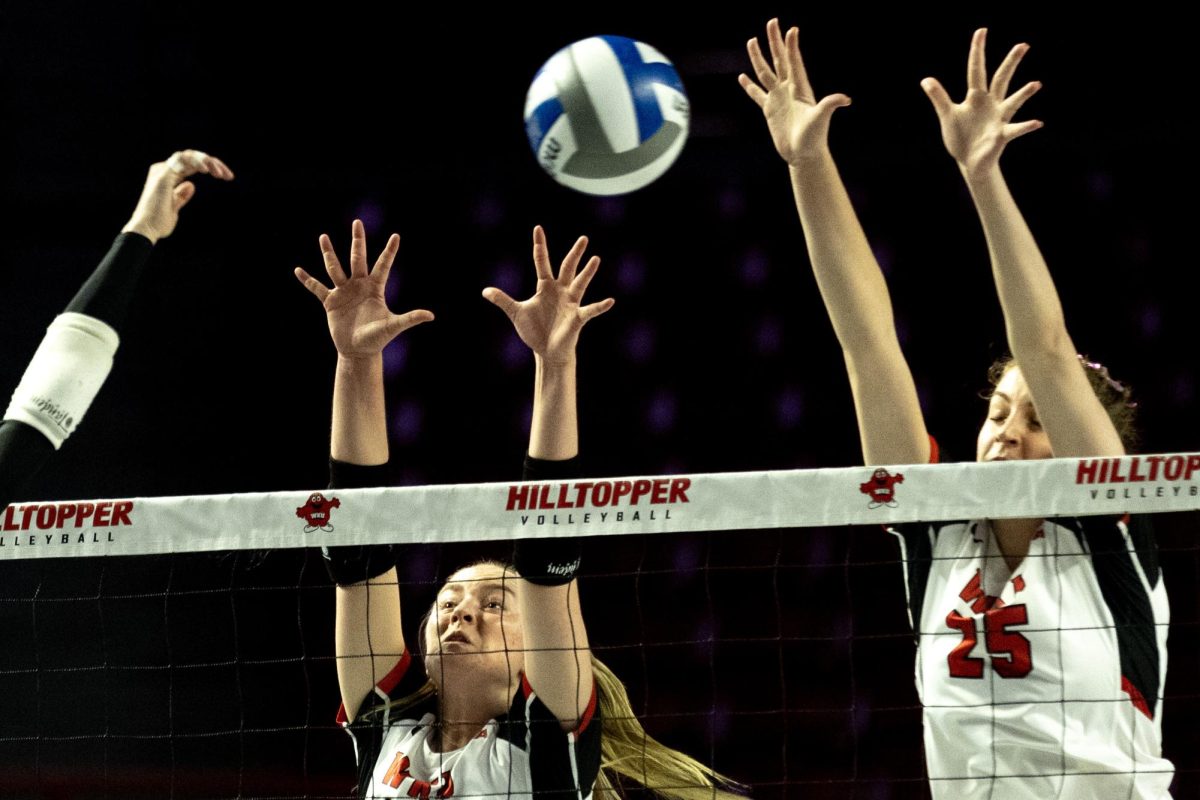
point(182, 646)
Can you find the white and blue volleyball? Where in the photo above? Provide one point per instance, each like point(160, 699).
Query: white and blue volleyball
point(606, 115)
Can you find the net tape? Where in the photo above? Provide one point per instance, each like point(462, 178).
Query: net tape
point(602, 506)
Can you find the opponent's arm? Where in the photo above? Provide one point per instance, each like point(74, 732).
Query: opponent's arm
point(76, 355)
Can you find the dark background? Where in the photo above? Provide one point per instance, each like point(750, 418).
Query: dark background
point(210, 676)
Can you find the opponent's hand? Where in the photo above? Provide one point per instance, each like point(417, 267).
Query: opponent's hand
point(550, 321)
point(976, 130)
point(798, 122)
point(167, 190)
point(359, 320)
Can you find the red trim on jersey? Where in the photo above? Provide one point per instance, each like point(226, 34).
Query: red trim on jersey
point(1135, 697)
point(935, 456)
point(1018, 584)
point(588, 713)
point(385, 685)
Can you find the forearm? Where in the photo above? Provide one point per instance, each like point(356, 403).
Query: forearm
point(359, 434)
point(107, 294)
point(554, 432)
point(859, 305)
point(1033, 314)
point(848, 276)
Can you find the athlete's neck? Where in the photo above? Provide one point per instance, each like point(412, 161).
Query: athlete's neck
point(462, 715)
point(1013, 537)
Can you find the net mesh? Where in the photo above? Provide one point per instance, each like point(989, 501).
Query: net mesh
point(780, 656)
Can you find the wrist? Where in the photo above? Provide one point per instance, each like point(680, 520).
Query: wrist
point(555, 362)
point(142, 228)
point(351, 364)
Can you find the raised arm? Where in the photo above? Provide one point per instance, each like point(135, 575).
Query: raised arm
point(975, 133)
point(890, 423)
point(368, 638)
point(76, 355)
point(557, 658)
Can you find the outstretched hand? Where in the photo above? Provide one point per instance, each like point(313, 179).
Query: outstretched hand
point(359, 320)
point(167, 190)
point(550, 321)
point(976, 130)
point(798, 122)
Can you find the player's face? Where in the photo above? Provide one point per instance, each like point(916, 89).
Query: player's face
point(476, 626)
point(1012, 430)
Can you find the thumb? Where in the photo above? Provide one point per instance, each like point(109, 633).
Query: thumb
point(183, 193)
point(398, 323)
point(501, 300)
point(937, 95)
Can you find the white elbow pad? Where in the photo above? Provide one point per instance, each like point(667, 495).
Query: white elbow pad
point(65, 374)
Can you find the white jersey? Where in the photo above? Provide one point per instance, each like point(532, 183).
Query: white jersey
point(1044, 681)
point(515, 756)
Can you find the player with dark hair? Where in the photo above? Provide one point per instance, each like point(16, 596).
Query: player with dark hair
point(1041, 643)
point(77, 352)
point(505, 698)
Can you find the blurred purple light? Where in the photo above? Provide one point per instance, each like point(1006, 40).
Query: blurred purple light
point(1100, 184)
point(406, 422)
point(631, 273)
point(391, 290)
point(610, 210)
point(861, 720)
point(411, 476)
point(769, 336)
point(489, 212)
point(686, 557)
point(755, 267)
point(731, 204)
point(673, 466)
point(395, 358)
point(789, 408)
point(514, 353)
point(371, 214)
point(1151, 320)
point(639, 342)
point(660, 416)
point(1183, 389)
point(506, 275)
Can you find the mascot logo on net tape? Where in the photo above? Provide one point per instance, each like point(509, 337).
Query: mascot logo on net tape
point(881, 488)
point(316, 512)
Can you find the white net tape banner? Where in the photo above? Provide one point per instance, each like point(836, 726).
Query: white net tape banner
point(586, 507)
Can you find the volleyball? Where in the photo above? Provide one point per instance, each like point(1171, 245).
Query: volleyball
point(606, 115)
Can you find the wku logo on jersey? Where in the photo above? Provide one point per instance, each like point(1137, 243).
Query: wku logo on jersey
point(1010, 652)
point(420, 790)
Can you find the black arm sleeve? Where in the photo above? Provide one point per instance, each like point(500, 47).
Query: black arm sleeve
point(23, 451)
point(106, 296)
point(553, 561)
point(357, 563)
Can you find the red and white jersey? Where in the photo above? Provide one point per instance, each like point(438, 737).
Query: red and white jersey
point(515, 756)
point(1044, 681)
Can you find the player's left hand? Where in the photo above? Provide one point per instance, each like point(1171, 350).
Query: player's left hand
point(167, 190)
point(976, 130)
point(550, 321)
